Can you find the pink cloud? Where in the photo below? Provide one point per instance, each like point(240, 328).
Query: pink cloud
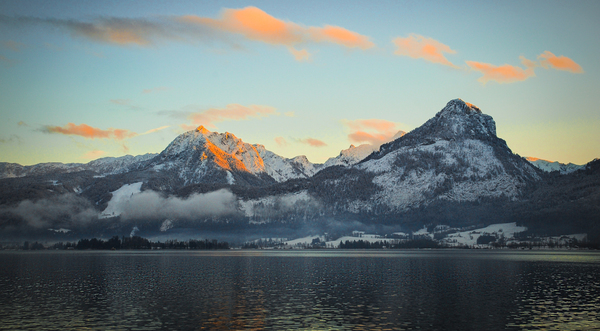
point(419, 47)
point(232, 112)
point(501, 74)
point(92, 155)
point(299, 55)
point(280, 141)
point(86, 131)
point(255, 24)
point(549, 60)
point(372, 131)
point(313, 142)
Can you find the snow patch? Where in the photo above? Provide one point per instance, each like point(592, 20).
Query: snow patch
point(119, 198)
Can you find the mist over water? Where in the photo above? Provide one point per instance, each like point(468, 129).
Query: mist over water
point(370, 290)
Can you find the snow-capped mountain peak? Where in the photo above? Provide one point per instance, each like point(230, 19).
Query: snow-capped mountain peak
point(549, 166)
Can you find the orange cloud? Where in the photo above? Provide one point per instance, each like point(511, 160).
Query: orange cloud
point(92, 155)
point(87, 131)
point(313, 142)
point(419, 47)
point(119, 31)
point(153, 90)
point(280, 141)
point(255, 24)
point(340, 36)
point(501, 74)
point(252, 23)
point(300, 55)
point(381, 131)
point(233, 112)
point(549, 60)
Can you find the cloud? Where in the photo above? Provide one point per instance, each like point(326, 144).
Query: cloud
point(66, 210)
point(155, 90)
point(549, 60)
point(5, 59)
point(280, 141)
point(231, 112)
point(125, 103)
point(92, 155)
point(155, 130)
point(87, 131)
point(501, 74)
point(340, 36)
point(121, 102)
point(251, 23)
point(14, 46)
point(255, 24)
point(373, 131)
point(11, 139)
point(152, 205)
point(419, 47)
point(21, 123)
point(299, 55)
point(313, 142)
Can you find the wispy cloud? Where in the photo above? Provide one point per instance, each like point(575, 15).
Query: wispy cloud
point(155, 130)
point(502, 74)
point(125, 103)
point(280, 141)
point(312, 142)
point(549, 60)
point(155, 90)
point(92, 155)
point(372, 131)
point(509, 74)
point(11, 139)
point(86, 131)
point(251, 23)
point(14, 46)
point(21, 123)
point(231, 112)
point(419, 47)
point(255, 24)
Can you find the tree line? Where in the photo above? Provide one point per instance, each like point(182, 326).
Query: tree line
point(134, 242)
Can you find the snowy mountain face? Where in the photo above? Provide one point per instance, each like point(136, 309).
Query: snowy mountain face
point(351, 156)
point(202, 156)
point(282, 169)
point(104, 166)
point(549, 166)
point(455, 156)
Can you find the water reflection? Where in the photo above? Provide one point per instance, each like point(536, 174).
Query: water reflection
point(374, 290)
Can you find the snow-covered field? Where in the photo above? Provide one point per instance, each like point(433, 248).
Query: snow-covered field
point(119, 198)
point(469, 238)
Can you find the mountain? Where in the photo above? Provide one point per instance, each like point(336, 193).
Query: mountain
point(355, 154)
point(350, 156)
point(455, 156)
point(202, 156)
point(453, 170)
point(103, 166)
point(549, 166)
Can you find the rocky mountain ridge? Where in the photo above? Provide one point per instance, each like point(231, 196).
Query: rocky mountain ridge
point(452, 170)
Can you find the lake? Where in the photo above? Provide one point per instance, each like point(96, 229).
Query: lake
point(304, 289)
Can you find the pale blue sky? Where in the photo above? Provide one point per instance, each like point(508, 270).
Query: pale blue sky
point(52, 75)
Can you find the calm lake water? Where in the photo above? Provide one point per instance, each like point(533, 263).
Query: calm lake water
point(315, 290)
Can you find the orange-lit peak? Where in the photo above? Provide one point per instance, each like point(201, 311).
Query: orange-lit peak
point(470, 105)
point(223, 159)
point(533, 159)
point(202, 130)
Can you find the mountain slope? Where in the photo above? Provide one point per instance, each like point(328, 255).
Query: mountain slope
point(549, 166)
point(103, 166)
point(455, 156)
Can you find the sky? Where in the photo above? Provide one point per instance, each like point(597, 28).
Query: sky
point(80, 80)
